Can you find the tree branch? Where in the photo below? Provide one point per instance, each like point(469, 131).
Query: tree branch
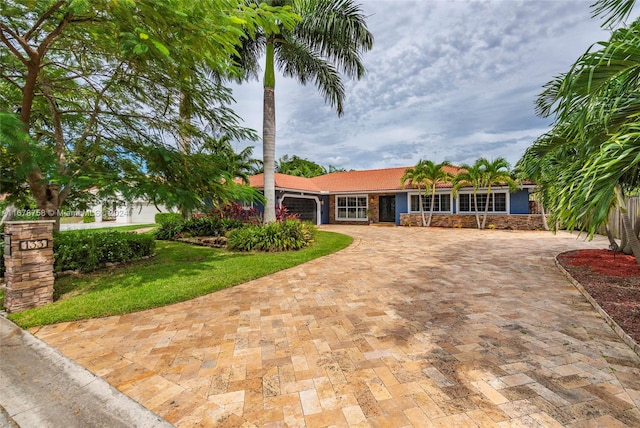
point(4, 29)
point(9, 79)
point(43, 18)
point(57, 126)
point(42, 49)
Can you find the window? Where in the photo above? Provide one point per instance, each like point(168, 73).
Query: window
point(351, 208)
point(442, 203)
point(497, 202)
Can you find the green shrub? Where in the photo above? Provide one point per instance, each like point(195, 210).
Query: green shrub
point(88, 217)
point(277, 236)
point(201, 226)
point(198, 226)
point(79, 250)
point(170, 229)
point(162, 218)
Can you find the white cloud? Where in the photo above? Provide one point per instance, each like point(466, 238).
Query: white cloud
point(446, 80)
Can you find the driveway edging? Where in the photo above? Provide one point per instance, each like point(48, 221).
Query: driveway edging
point(614, 325)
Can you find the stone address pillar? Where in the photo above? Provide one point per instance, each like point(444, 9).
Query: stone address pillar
point(28, 258)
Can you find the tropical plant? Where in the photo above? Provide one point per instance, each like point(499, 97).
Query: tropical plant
point(98, 87)
point(594, 145)
point(434, 174)
point(495, 173)
point(299, 167)
point(416, 176)
point(470, 176)
point(427, 173)
point(286, 235)
point(327, 41)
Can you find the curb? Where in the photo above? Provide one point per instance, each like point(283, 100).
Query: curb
point(614, 325)
point(64, 393)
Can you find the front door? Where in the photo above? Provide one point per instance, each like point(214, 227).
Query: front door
point(387, 208)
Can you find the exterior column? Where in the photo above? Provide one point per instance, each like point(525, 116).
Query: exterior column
point(28, 258)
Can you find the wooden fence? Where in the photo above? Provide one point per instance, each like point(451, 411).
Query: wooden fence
point(615, 218)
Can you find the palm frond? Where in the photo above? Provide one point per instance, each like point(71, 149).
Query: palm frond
point(336, 30)
point(295, 60)
point(613, 12)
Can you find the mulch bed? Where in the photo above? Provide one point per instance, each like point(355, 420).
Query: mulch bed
point(613, 280)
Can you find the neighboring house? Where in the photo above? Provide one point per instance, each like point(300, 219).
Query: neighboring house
point(137, 211)
point(377, 196)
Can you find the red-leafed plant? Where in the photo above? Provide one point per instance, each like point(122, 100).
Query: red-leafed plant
point(282, 214)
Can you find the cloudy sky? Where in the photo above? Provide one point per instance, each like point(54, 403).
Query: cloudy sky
point(451, 80)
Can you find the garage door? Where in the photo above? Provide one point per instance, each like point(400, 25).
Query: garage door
point(305, 208)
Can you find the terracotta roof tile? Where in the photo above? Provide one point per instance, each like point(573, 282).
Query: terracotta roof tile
point(371, 180)
point(284, 181)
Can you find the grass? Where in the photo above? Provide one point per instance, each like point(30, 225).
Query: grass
point(179, 272)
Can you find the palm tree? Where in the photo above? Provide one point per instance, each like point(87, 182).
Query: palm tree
point(417, 176)
point(470, 176)
point(327, 41)
point(495, 172)
point(595, 135)
point(426, 172)
point(434, 174)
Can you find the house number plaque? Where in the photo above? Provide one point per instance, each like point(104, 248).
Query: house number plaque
point(33, 244)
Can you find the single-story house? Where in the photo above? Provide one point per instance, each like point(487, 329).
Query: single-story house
point(377, 196)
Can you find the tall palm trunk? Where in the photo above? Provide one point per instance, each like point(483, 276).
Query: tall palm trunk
point(475, 209)
point(433, 199)
point(626, 222)
point(544, 217)
point(424, 222)
point(486, 208)
point(269, 136)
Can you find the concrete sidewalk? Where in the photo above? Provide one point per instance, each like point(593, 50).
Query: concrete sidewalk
point(39, 387)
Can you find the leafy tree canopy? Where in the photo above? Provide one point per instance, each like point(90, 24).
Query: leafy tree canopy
point(591, 156)
point(300, 167)
point(99, 87)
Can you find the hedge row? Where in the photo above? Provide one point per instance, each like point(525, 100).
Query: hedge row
point(88, 251)
point(162, 218)
point(200, 226)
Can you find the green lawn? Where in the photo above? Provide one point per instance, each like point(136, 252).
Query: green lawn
point(179, 272)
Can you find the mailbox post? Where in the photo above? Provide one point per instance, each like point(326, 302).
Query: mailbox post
point(28, 259)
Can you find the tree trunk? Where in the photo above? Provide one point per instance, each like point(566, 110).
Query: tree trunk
point(625, 245)
point(626, 223)
point(433, 199)
point(424, 222)
point(269, 137)
point(48, 202)
point(544, 217)
point(486, 209)
point(613, 245)
point(475, 209)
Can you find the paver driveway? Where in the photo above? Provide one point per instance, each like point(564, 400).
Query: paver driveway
point(407, 327)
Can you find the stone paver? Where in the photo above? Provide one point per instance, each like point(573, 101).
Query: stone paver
point(407, 327)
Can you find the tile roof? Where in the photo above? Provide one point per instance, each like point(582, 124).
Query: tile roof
point(284, 181)
point(371, 180)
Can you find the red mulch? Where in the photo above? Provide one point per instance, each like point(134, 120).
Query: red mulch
point(613, 280)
